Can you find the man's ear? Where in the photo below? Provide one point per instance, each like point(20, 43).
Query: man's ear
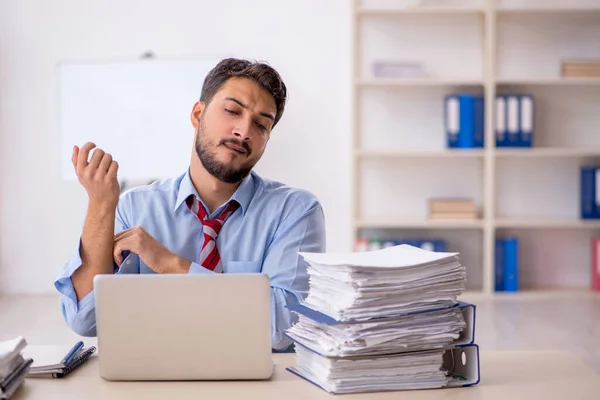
point(197, 111)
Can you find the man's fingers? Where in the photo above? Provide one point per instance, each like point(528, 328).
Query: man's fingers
point(124, 244)
point(82, 157)
point(105, 162)
point(117, 250)
point(96, 158)
point(128, 232)
point(123, 234)
point(112, 170)
point(74, 156)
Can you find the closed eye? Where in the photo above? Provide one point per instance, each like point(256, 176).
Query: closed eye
point(261, 127)
point(231, 111)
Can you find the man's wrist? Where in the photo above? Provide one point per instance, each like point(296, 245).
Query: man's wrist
point(103, 209)
point(180, 265)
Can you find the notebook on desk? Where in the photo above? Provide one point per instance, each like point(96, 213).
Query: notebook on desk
point(68, 361)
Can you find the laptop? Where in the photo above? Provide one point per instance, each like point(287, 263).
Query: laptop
point(183, 327)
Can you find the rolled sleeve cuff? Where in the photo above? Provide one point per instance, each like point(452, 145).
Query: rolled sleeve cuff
point(196, 268)
point(63, 283)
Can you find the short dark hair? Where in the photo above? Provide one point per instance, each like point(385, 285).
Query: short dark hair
point(261, 73)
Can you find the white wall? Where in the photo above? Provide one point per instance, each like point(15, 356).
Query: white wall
point(41, 215)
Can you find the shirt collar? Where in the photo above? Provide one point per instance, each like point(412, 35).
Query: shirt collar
point(242, 195)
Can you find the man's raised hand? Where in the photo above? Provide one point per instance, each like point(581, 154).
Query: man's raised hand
point(98, 176)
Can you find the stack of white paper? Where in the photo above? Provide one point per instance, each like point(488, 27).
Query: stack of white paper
point(379, 320)
point(430, 330)
point(13, 367)
point(387, 282)
point(420, 370)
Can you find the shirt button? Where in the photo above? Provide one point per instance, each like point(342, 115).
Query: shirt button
point(128, 261)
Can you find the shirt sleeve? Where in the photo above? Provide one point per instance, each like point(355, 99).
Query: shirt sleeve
point(80, 315)
point(303, 230)
point(196, 268)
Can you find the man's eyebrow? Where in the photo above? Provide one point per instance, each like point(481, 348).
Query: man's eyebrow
point(264, 114)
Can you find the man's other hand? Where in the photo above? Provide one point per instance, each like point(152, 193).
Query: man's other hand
point(151, 252)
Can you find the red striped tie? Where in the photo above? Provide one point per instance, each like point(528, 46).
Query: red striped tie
point(209, 255)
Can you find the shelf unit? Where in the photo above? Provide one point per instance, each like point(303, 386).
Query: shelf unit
point(399, 154)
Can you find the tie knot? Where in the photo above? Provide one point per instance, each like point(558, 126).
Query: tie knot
point(209, 255)
point(214, 225)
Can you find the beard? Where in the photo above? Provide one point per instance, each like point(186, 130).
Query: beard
point(209, 161)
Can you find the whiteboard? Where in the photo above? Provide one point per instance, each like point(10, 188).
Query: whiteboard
point(136, 110)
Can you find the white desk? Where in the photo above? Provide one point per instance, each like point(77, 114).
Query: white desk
point(505, 375)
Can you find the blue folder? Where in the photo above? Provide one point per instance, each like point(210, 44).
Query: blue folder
point(513, 117)
point(461, 362)
point(506, 264)
point(464, 120)
point(588, 189)
point(467, 336)
point(526, 120)
point(500, 122)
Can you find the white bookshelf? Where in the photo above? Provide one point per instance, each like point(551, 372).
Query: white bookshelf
point(400, 159)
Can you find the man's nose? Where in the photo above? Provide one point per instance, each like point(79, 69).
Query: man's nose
point(242, 130)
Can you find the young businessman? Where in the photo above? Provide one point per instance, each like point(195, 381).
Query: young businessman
point(217, 217)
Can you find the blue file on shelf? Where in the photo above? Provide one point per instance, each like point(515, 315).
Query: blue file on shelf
point(513, 133)
point(526, 120)
point(589, 192)
point(506, 264)
point(514, 120)
point(500, 122)
point(464, 119)
point(499, 265)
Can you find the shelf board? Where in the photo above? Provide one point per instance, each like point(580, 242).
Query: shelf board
point(546, 222)
point(419, 224)
point(536, 152)
point(547, 10)
point(399, 82)
point(548, 81)
point(461, 153)
point(388, 12)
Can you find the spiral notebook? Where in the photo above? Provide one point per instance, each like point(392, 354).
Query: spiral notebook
point(57, 371)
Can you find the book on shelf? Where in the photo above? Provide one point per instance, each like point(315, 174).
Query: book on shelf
point(506, 264)
point(437, 216)
point(385, 320)
point(448, 208)
point(584, 68)
point(397, 69)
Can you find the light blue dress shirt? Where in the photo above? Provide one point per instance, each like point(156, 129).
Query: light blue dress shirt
point(273, 223)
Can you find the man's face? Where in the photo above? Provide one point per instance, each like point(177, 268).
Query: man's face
point(233, 130)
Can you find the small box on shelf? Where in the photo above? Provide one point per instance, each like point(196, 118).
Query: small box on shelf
point(582, 68)
point(397, 69)
point(452, 208)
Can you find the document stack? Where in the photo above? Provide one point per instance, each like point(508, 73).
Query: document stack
point(385, 320)
point(13, 367)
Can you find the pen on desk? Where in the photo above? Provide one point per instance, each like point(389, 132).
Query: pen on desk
point(71, 353)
